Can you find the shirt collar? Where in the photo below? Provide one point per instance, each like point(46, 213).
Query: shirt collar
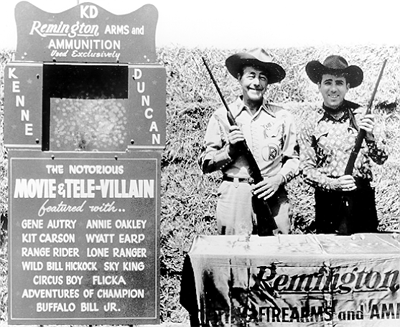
point(329, 117)
point(347, 107)
point(240, 106)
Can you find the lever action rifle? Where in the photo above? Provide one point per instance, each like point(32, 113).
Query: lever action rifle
point(361, 134)
point(265, 222)
point(347, 200)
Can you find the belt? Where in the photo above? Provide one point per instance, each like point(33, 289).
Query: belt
point(238, 179)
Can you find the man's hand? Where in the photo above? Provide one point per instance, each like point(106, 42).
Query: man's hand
point(346, 183)
point(267, 188)
point(234, 137)
point(365, 122)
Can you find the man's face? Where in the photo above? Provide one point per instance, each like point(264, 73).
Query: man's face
point(333, 90)
point(254, 84)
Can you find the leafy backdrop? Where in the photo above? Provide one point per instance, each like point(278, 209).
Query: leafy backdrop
point(188, 197)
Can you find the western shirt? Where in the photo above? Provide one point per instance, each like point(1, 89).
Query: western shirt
point(325, 147)
point(270, 135)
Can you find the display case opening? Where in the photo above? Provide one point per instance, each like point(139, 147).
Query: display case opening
point(85, 107)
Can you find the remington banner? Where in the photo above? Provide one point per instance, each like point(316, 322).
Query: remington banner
point(293, 280)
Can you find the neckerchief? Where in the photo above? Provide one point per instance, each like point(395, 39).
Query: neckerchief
point(347, 107)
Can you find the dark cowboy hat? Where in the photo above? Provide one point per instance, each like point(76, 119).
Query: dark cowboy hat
point(335, 65)
point(256, 58)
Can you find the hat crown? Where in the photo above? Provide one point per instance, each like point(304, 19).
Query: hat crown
point(335, 62)
point(335, 65)
point(260, 54)
point(259, 58)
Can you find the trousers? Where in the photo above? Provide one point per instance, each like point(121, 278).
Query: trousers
point(346, 213)
point(235, 214)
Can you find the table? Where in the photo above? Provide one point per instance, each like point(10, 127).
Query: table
point(293, 280)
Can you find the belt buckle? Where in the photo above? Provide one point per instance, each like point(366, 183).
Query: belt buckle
point(250, 180)
point(236, 181)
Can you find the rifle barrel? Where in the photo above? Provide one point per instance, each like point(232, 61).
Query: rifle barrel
point(231, 119)
point(361, 134)
point(371, 100)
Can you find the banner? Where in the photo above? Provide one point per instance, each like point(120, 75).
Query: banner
point(293, 280)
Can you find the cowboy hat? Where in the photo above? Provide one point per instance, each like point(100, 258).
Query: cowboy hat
point(258, 58)
point(334, 65)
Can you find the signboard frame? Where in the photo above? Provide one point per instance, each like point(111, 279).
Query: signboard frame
point(85, 40)
point(26, 314)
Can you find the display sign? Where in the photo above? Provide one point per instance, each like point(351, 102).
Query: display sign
point(86, 33)
point(293, 280)
point(84, 245)
point(84, 127)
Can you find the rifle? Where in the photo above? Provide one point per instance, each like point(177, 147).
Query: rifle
point(345, 227)
point(265, 222)
point(361, 134)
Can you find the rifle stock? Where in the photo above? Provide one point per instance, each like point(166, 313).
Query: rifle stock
point(361, 134)
point(265, 222)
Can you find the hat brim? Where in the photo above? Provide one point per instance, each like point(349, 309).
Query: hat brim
point(315, 70)
point(235, 63)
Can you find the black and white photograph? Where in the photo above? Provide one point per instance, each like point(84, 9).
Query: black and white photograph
point(199, 163)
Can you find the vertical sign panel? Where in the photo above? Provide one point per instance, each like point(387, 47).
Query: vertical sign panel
point(23, 103)
point(147, 99)
point(85, 239)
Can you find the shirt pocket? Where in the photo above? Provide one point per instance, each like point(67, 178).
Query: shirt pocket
point(273, 131)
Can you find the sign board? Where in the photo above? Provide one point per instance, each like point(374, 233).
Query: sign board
point(84, 126)
point(84, 243)
point(293, 280)
point(85, 33)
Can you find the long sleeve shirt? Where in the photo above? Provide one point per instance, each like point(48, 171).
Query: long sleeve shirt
point(325, 147)
point(270, 135)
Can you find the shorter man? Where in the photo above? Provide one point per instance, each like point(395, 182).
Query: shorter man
point(345, 204)
point(270, 134)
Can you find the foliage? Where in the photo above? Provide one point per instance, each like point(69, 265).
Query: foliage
point(189, 197)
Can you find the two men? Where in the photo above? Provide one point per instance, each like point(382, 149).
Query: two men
point(270, 134)
point(345, 204)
